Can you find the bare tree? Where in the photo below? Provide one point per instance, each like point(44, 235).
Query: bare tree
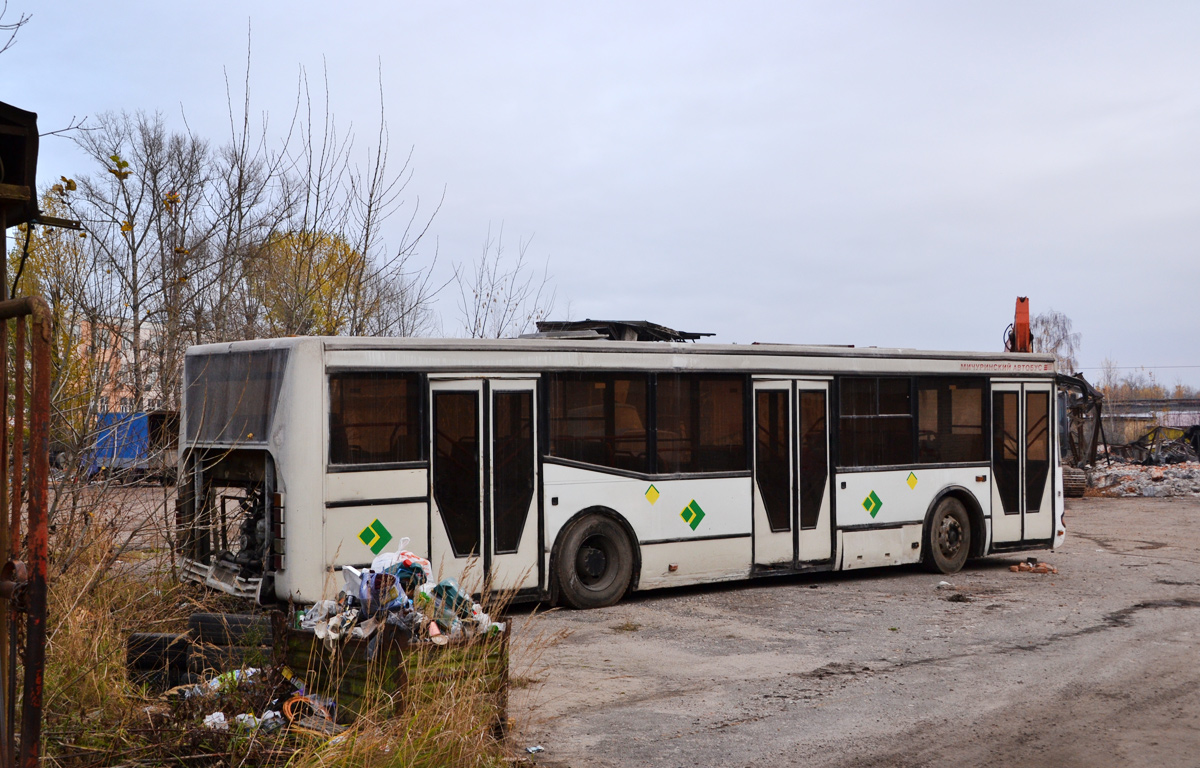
point(501, 297)
point(1109, 377)
point(189, 245)
point(148, 222)
point(328, 268)
point(12, 28)
point(1052, 334)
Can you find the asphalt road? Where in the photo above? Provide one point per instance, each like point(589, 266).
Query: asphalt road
point(1096, 666)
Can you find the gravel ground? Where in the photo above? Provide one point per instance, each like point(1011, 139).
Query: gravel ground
point(1096, 665)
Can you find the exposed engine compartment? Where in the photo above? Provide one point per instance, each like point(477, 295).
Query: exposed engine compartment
point(224, 520)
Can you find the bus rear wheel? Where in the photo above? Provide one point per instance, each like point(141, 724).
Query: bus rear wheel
point(947, 537)
point(594, 566)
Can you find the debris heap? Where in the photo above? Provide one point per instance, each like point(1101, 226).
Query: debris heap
point(1124, 479)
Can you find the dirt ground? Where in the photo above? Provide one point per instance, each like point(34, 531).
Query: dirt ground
point(1098, 665)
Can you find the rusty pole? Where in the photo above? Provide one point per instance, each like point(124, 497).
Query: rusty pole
point(17, 457)
point(37, 550)
point(18, 439)
point(39, 536)
point(8, 618)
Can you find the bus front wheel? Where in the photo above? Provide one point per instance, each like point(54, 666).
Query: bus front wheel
point(947, 537)
point(595, 562)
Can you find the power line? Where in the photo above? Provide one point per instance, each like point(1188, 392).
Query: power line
point(1134, 367)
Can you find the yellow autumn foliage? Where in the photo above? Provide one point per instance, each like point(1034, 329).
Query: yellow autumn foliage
point(307, 282)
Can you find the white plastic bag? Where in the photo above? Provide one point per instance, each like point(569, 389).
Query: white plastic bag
point(385, 559)
point(352, 578)
point(320, 611)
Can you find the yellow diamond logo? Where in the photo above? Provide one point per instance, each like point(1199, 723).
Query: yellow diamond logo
point(652, 494)
point(912, 480)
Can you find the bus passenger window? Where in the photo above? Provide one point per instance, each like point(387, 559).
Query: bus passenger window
point(599, 418)
point(700, 423)
point(456, 468)
point(772, 457)
point(950, 420)
point(374, 418)
point(1037, 448)
point(875, 422)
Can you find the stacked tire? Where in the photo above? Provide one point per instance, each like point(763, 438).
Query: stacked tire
point(157, 660)
point(226, 641)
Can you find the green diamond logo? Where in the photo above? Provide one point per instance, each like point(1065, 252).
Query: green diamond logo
point(375, 536)
point(872, 504)
point(692, 514)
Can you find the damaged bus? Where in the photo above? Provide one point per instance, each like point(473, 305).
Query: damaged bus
point(580, 469)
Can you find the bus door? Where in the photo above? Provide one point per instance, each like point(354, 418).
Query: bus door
point(1022, 476)
point(792, 508)
point(484, 515)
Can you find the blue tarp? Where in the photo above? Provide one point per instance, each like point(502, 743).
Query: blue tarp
point(122, 442)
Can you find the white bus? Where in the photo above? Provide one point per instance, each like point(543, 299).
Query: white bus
point(579, 470)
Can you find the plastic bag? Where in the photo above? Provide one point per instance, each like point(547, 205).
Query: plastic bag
point(352, 578)
point(450, 592)
point(247, 721)
point(381, 592)
point(436, 608)
point(385, 560)
point(320, 611)
point(409, 568)
point(228, 681)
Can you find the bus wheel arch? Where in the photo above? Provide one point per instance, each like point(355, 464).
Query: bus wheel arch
point(953, 512)
point(595, 560)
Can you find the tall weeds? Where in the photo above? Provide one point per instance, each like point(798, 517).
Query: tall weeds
point(116, 584)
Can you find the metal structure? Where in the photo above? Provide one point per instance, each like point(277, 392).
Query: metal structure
point(24, 467)
point(1018, 337)
point(23, 579)
point(616, 330)
point(1085, 427)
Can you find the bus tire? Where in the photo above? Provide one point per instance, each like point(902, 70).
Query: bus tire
point(947, 537)
point(594, 566)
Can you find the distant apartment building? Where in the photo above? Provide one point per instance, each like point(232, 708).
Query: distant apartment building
point(109, 342)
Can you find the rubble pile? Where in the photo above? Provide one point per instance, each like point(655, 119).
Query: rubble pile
point(1123, 479)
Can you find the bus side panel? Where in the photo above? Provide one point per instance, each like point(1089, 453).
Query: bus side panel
point(702, 525)
point(896, 496)
point(298, 440)
point(696, 562)
point(391, 503)
point(372, 487)
point(881, 546)
point(1060, 530)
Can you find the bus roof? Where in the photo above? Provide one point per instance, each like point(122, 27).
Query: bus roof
point(381, 343)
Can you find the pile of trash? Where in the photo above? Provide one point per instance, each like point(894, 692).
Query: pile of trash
point(398, 590)
point(1126, 479)
point(263, 701)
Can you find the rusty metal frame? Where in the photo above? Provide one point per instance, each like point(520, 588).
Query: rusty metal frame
point(23, 576)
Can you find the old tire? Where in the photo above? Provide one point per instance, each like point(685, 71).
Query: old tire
point(594, 566)
point(230, 628)
point(947, 537)
point(156, 650)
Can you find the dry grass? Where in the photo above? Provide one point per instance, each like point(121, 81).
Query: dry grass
point(93, 716)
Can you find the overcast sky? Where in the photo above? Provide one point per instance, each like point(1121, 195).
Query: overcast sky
point(889, 174)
